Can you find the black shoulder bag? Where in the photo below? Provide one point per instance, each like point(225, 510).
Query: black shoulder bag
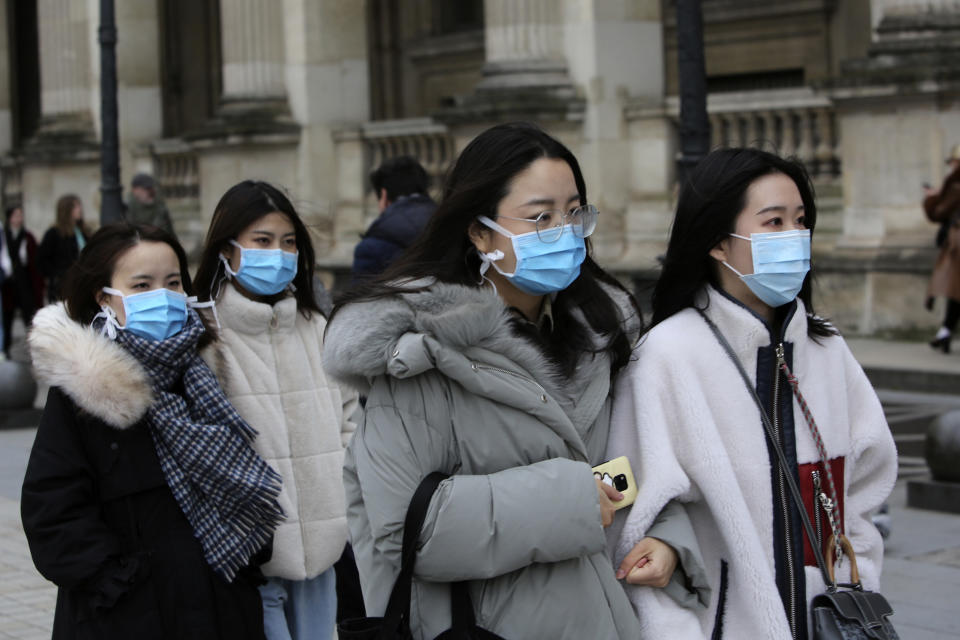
point(395, 623)
point(843, 611)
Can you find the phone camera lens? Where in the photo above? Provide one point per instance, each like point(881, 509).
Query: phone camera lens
point(620, 482)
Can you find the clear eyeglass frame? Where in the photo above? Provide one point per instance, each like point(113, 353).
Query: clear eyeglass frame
point(551, 223)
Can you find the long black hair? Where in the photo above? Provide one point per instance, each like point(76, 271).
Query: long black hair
point(475, 185)
point(710, 201)
point(241, 206)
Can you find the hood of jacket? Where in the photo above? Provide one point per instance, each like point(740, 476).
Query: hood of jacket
point(386, 336)
point(99, 375)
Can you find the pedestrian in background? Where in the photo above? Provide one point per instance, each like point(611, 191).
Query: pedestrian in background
point(22, 283)
point(738, 259)
point(488, 352)
point(143, 500)
point(256, 273)
point(400, 185)
point(62, 244)
point(943, 207)
point(145, 206)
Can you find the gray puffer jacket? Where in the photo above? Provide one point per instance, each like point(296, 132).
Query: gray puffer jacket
point(452, 388)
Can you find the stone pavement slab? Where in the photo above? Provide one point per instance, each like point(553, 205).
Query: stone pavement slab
point(921, 570)
point(27, 601)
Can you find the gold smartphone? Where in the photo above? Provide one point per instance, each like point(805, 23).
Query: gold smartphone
point(618, 474)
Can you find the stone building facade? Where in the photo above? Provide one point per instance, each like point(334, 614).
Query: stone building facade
point(311, 94)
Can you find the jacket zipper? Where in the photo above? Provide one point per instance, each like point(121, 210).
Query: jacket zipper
point(477, 366)
point(788, 534)
point(817, 518)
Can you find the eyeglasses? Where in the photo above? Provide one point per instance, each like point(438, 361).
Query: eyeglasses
point(550, 224)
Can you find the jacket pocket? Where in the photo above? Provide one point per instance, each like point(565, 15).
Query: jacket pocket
point(721, 603)
point(813, 483)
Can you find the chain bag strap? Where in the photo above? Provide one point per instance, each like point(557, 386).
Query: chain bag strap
point(848, 614)
point(831, 505)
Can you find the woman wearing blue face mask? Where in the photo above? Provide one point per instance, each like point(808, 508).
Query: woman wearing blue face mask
point(487, 354)
point(143, 500)
point(736, 271)
point(258, 265)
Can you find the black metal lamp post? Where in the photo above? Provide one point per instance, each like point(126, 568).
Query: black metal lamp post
point(111, 206)
point(691, 70)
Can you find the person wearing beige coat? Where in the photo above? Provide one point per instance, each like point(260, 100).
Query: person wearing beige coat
point(268, 365)
point(258, 267)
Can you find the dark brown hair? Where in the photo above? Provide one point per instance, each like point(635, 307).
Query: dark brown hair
point(241, 206)
point(64, 222)
point(94, 269)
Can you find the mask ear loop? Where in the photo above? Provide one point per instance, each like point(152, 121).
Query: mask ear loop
point(110, 324)
point(486, 261)
point(212, 302)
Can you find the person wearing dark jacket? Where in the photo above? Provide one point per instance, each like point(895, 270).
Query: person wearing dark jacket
point(143, 500)
point(144, 206)
point(22, 282)
point(401, 187)
point(62, 243)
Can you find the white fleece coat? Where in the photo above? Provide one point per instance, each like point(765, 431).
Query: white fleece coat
point(268, 363)
point(684, 417)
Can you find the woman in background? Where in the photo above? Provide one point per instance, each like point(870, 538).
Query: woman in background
point(22, 282)
point(62, 243)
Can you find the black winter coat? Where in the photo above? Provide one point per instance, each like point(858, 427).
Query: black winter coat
point(56, 254)
point(103, 525)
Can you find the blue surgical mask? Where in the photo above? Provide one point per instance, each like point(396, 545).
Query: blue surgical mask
point(155, 315)
point(263, 272)
point(781, 260)
point(542, 267)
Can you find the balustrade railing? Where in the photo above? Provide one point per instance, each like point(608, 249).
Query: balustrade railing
point(176, 171)
point(790, 122)
point(427, 141)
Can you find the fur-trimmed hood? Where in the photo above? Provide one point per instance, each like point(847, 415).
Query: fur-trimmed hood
point(99, 375)
point(384, 337)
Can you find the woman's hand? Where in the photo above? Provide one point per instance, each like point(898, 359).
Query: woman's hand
point(651, 562)
point(606, 496)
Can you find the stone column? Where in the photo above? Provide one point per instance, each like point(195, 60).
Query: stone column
point(252, 37)
point(64, 68)
point(524, 44)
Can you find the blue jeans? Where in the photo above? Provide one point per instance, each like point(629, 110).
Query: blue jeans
point(300, 609)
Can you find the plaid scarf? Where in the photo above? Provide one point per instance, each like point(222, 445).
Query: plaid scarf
point(227, 492)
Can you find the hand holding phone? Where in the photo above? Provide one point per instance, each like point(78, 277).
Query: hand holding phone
point(618, 474)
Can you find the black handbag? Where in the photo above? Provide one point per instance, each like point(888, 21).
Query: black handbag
point(843, 611)
point(395, 623)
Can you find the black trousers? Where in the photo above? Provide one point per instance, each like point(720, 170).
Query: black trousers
point(953, 314)
point(26, 308)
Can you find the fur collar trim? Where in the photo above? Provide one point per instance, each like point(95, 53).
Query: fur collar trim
point(99, 375)
point(362, 338)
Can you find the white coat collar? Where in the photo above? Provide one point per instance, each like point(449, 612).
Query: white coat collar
point(243, 315)
point(745, 330)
